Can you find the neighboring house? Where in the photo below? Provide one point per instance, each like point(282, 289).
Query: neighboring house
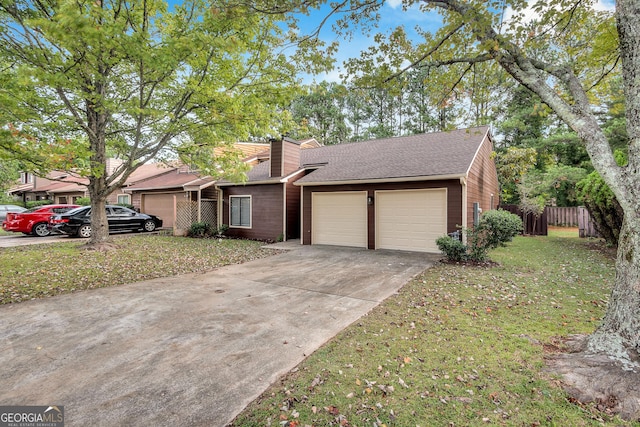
point(57, 186)
point(397, 193)
point(181, 196)
point(167, 194)
point(65, 187)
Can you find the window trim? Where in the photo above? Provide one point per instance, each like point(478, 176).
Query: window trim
point(241, 196)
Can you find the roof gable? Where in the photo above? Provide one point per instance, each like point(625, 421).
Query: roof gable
point(424, 155)
point(421, 156)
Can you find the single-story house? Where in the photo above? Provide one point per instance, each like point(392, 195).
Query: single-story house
point(395, 193)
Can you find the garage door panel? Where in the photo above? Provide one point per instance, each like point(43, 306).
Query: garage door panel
point(410, 220)
point(160, 205)
point(339, 218)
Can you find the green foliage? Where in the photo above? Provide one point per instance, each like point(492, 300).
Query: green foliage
point(83, 201)
point(602, 204)
point(201, 229)
point(512, 164)
point(144, 80)
point(452, 248)
point(6, 199)
point(320, 114)
point(495, 229)
point(498, 227)
point(204, 229)
point(34, 203)
point(9, 173)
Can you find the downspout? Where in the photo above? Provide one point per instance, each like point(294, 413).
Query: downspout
point(301, 215)
point(284, 212)
point(463, 183)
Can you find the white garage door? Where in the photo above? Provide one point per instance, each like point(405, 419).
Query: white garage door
point(339, 218)
point(410, 220)
point(160, 205)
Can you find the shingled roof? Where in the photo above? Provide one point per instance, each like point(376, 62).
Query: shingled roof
point(430, 155)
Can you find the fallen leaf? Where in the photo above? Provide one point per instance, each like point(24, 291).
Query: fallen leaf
point(333, 410)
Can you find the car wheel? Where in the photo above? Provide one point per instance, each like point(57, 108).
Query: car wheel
point(41, 229)
point(149, 225)
point(84, 231)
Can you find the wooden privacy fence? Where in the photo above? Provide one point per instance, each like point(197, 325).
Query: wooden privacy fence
point(562, 217)
point(576, 216)
point(586, 227)
point(532, 225)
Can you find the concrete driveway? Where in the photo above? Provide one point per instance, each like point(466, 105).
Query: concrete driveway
point(191, 350)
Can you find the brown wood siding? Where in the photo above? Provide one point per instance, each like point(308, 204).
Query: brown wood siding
point(482, 182)
point(210, 193)
point(136, 200)
point(276, 158)
point(454, 203)
point(291, 157)
point(266, 211)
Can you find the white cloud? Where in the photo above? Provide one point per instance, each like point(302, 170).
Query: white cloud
point(394, 4)
point(605, 5)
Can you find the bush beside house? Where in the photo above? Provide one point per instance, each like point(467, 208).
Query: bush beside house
point(495, 228)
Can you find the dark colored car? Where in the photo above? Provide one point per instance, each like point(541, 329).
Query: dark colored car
point(4, 209)
point(35, 220)
point(77, 222)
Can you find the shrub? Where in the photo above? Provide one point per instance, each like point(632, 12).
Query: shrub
point(34, 203)
point(222, 229)
point(499, 227)
point(495, 228)
point(453, 249)
point(83, 201)
point(201, 229)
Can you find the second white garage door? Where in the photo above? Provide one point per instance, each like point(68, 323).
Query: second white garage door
point(410, 220)
point(339, 218)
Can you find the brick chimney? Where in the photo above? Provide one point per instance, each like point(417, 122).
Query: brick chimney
point(285, 157)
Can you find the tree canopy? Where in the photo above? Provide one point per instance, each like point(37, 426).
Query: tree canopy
point(139, 80)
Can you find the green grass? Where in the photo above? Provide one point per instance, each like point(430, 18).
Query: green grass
point(37, 271)
point(457, 346)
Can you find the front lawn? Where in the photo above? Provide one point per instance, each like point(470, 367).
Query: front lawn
point(38, 271)
point(457, 346)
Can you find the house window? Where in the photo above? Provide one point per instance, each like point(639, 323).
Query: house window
point(123, 199)
point(240, 215)
point(26, 178)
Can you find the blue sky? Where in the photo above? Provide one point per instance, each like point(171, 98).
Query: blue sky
point(391, 15)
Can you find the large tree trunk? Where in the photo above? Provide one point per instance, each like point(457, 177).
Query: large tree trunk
point(99, 224)
point(619, 334)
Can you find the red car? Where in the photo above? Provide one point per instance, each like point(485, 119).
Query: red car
point(35, 220)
